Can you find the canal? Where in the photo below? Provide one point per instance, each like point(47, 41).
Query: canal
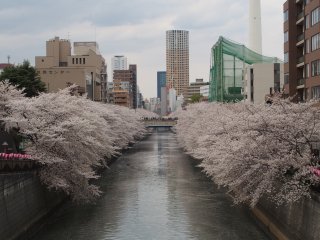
point(154, 191)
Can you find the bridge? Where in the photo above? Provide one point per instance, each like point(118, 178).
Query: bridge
point(160, 122)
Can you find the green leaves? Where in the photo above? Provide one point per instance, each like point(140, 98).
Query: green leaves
point(24, 77)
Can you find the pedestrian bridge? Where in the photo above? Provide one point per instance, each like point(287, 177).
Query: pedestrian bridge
point(160, 122)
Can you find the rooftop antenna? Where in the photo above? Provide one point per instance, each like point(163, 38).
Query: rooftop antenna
point(8, 59)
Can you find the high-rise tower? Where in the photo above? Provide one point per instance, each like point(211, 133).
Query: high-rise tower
point(177, 60)
point(255, 33)
point(119, 63)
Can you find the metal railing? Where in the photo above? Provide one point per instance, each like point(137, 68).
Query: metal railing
point(300, 37)
point(301, 81)
point(300, 59)
point(300, 16)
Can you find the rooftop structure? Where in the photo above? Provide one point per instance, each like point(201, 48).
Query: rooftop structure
point(228, 63)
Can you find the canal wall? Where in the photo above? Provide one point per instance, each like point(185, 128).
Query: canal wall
point(297, 221)
point(23, 202)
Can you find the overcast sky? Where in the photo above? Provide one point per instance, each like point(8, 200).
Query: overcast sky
point(136, 29)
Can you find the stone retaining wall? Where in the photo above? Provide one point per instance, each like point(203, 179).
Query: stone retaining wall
point(23, 202)
point(298, 221)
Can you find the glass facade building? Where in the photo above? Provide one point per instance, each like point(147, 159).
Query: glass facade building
point(161, 82)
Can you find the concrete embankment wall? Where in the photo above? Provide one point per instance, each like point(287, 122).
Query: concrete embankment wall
point(23, 202)
point(298, 221)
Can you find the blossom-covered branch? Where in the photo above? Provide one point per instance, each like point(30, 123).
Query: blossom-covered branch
point(254, 150)
point(70, 136)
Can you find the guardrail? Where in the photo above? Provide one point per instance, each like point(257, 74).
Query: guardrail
point(15, 162)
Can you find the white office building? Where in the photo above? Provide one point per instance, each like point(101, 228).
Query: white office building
point(262, 80)
point(119, 63)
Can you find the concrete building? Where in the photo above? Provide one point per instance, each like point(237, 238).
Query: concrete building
point(194, 87)
point(164, 101)
point(302, 49)
point(119, 63)
point(139, 98)
point(122, 98)
point(177, 60)
point(180, 102)
point(204, 91)
point(172, 100)
point(147, 105)
point(128, 76)
point(161, 82)
point(155, 105)
point(59, 68)
point(110, 92)
point(263, 79)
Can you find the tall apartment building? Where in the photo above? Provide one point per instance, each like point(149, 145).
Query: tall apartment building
point(86, 68)
point(129, 76)
point(302, 49)
point(177, 60)
point(161, 82)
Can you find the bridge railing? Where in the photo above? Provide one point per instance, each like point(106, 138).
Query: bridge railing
point(155, 122)
point(16, 162)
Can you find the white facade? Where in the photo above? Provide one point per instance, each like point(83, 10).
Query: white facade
point(255, 32)
point(261, 80)
point(172, 98)
point(154, 104)
point(164, 101)
point(119, 63)
point(180, 100)
point(204, 91)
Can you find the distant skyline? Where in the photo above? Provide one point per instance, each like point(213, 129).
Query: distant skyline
point(135, 29)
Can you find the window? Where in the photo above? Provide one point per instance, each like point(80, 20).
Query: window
point(72, 60)
point(315, 92)
point(286, 57)
point(76, 60)
point(315, 16)
point(315, 42)
point(307, 21)
point(285, 16)
point(306, 71)
point(84, 61)
point(315, 68)
point(286, 78)
point(307, 50)
point(286, 37)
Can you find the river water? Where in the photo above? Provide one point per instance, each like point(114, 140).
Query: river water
point(154, 191)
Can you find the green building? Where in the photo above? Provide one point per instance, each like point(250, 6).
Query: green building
point(228, 63)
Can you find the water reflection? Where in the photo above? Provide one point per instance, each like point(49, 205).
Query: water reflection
point(154, 191)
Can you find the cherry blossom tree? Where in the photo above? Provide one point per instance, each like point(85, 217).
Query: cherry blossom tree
point(254, 150)
point(70, 136)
